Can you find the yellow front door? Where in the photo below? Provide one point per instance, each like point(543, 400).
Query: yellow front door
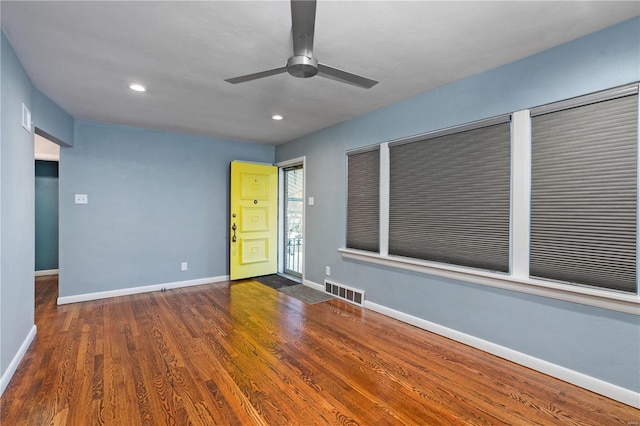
point(254, 207)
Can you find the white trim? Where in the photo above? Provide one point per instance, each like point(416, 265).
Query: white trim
point(385, 172)
point(282, 164)
point(604, 95)
point(291, 162)
point(44, 272)
point(606, 299)
point(582, 380)
point(15, 362)
point(313, 285)
point(520, 193)
point(281, 220)
point(136, 290)
point(304, 215)
point(47, 157)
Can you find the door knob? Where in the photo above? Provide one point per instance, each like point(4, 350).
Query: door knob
point(234, 227)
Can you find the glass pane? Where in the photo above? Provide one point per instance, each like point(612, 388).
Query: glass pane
point(450, 198)
point(584, 194)
point(363, 200)
point(293, 249)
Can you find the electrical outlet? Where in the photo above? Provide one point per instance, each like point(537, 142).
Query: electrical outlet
point(82, 199)
point(327, 271)
point(184, 266)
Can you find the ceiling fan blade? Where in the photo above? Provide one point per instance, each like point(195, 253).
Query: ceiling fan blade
point(303, 22)
point(345, 77)
point(256, 75)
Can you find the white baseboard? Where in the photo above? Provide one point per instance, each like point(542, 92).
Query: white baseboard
point(135, 290)
point(13, 365)
point(46, 272)
point(313, 285)
point(582, 380)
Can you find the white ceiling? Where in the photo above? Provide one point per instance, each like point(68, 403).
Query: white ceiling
point(83, 55)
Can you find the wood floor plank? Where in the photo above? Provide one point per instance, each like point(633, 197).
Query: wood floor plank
point(240, 353)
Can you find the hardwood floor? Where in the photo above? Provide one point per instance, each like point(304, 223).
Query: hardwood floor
point(242, 354)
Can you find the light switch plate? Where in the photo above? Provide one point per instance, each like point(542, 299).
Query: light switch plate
point(26, 118)
point(311, 201)
point(82, 199)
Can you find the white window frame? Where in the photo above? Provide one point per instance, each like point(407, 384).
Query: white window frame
point(281, 213)
point(518, 279)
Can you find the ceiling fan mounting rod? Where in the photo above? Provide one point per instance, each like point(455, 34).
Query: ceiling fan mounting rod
point(303, 20)
point(302, 66)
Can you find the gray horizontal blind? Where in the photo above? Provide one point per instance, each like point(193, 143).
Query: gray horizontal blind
point(583, 194)
point(363, 200)
point(449, 198)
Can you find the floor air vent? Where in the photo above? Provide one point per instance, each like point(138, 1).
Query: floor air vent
point(343, 292)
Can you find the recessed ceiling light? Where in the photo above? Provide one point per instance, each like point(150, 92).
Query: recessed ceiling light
point(277, 117)
point(137, 87)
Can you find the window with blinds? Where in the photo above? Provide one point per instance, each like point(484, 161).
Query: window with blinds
point(450, 198)
point(583, 194)
point(363, 200)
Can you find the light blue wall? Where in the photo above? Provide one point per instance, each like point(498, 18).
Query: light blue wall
point(3, 369)
point(17, 219)
point(596, 342)
point(156, 199)
point(46, 219)
point(51, 118)
point(17, 189)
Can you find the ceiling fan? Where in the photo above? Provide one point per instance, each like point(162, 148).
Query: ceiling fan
point(302, 64)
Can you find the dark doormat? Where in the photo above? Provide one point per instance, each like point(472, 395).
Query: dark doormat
point(293, 289)
point(275, 281)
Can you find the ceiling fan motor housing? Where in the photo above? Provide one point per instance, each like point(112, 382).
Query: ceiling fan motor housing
point(302, 66)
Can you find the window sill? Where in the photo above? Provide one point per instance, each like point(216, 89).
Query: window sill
point(612, 300)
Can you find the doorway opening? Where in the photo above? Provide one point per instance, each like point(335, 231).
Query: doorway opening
point(46, 203)
point(293, 220)
point(47, 157)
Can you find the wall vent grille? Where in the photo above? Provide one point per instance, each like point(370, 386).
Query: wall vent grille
point(343, 292)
